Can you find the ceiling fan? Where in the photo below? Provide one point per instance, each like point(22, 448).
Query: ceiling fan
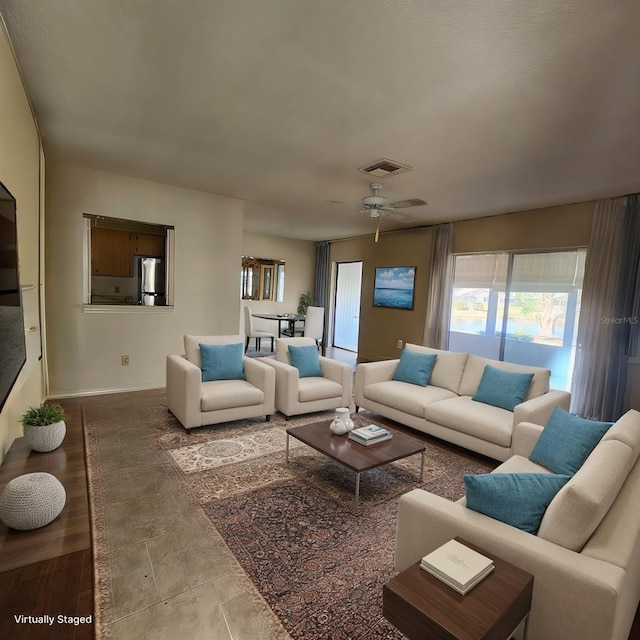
point(377, 206)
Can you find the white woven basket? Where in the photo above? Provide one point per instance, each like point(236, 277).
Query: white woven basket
point(46, 437)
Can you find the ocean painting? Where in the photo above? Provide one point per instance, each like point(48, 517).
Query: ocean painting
point(393, 287)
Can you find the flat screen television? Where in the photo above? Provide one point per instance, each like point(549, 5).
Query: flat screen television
point(12, 343)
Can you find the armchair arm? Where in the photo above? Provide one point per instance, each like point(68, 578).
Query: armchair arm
point(264, 377)
point(372, 372)
point(339, 372)
point(564, 579)
point(538, 410)
point(184, 391)
point(287, 381)
point(525, 436)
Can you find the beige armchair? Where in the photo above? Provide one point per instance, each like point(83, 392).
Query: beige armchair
point(196, 403)
point(296, 395)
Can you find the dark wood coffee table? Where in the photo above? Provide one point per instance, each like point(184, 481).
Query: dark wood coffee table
point(355, 456)
point(421, 606)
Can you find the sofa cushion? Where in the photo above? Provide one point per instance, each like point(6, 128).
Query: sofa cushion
point(500, 388)
point(415, 368)
point(229, 394)
point(306, 360)
point(574, 514)
point(626, 429)
point(491, 424)
point(406, 397)
point(310, 389)
point(221, 362)
point(474, 370)
point(520, 464)
point(566, 441)
point(449, 367)
point(518, 499)
point(192, 345)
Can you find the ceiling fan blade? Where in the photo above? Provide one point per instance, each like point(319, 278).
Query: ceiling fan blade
point(411, 202)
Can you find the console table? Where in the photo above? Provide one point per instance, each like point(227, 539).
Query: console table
point(49, 571)
point(423, 607)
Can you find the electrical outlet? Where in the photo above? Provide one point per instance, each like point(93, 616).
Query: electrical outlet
point(125, 361)
point(400, 344)
point(116, 289)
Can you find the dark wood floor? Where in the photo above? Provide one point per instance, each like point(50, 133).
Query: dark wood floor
point(49, 571)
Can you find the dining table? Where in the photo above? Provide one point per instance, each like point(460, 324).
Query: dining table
point(282, 319)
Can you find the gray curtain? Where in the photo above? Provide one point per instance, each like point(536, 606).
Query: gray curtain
point(608, 330)
point(322, 282)
point(436, 328)
point(322, 274)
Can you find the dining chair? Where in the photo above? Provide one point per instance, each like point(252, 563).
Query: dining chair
point(250, 332)
point(314, 326)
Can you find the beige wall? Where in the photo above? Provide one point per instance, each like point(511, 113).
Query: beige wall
point(552, 228)
point(85, 349)
point(20, 173)
point(381, 328)
point(300, 262)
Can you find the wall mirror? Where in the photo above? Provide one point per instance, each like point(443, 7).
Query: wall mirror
point(262, 279)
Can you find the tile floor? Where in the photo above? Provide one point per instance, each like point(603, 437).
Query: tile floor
point(171, 578)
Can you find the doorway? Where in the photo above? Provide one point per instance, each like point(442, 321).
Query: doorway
point(346, 319)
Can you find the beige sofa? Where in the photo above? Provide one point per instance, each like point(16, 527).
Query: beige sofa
point(197, 404)
point(445, 408)
point(585, 558)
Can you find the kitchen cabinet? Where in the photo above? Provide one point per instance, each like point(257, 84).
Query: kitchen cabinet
point(111, 252)
point(147, 244)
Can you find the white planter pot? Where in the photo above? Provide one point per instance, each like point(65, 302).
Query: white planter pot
point(46, 437)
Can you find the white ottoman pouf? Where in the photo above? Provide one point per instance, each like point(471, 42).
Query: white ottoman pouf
point(32, 501)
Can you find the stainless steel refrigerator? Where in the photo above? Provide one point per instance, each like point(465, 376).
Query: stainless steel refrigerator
point(151, 281)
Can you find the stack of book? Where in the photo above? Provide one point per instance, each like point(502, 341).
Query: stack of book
point(457, 566)
point(371, 434)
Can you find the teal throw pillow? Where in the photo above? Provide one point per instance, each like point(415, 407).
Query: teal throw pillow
point(415, 367)
point(221, 362)
point(504, 389)
point(519, 499)
point(306, 361)
point(566, 441)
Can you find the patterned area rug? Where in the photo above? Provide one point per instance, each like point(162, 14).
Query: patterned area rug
point(291, 527)
point(318, 565)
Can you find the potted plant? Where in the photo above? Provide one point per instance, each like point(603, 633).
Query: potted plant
point(304, 301)
point(44, 426)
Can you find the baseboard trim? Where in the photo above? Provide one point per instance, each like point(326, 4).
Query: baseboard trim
point(99, 392)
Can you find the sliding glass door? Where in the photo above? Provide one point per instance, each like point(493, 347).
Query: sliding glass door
point(519, 307)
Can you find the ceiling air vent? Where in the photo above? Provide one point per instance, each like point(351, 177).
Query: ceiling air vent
point(412, 202)
point(384, 168)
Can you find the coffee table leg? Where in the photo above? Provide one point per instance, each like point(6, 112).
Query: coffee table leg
point(357, 490)
point(287, 451)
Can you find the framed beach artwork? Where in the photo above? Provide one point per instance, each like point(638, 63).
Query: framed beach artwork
point(393, 287)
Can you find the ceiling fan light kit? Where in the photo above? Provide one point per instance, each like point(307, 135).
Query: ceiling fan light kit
point(376, 203)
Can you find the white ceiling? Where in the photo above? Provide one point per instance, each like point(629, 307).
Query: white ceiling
point(498, 106)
